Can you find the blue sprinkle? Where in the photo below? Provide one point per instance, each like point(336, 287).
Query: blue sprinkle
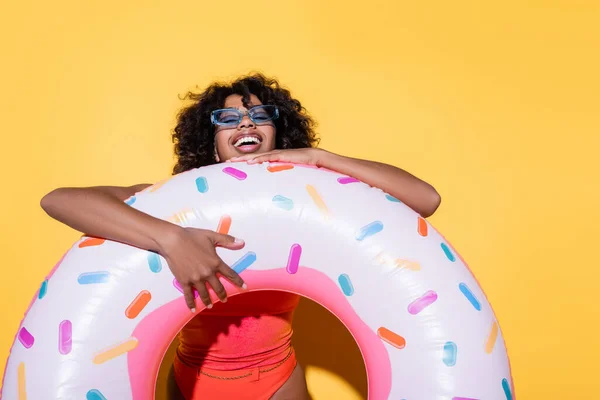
point(43, 289)
point(346, 284)
point(283, 202)
point(247, 260)
point(130, 200)
point(94, 394)
point(392, 198)
point(448, 252)
point(506, 388)
point(154, 263)
point(450, 351)
point(470, 296)
point(369, 230)
point(202, 184)
point(93, 277)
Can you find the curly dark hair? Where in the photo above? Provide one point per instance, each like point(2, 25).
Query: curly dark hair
point(194, 133)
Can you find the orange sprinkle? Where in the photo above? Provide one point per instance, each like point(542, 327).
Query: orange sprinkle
point(116, 350)
point(392, 338)
point(317, 199)
point(224, 225)
point(21, 379)
point(491, 340)
point(138, 304)
point(91, 242)
point(279, 167)
point(422, 228)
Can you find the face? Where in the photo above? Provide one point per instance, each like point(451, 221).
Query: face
point(246, 137)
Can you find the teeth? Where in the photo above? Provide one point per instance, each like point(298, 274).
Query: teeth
point(247, 140)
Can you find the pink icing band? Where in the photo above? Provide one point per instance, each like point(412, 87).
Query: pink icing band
point(158, 329)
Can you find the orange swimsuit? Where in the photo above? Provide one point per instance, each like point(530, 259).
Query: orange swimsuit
point(241, 348)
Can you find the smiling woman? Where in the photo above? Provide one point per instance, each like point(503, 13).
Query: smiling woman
point(252, 119)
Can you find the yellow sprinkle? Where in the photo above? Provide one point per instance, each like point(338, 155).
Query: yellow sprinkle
point(116, 350)
point(491, 341)
point(385, 259)
point(317, 200)
point(22, 386)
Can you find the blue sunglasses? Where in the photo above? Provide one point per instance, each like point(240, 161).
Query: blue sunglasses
point(261, 114)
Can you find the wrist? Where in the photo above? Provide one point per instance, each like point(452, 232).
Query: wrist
point(166, 236)
point(324, 158)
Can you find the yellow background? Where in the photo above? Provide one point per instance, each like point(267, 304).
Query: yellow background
point(497, 105)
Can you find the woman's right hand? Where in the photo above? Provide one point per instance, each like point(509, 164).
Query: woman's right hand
point(193, 260)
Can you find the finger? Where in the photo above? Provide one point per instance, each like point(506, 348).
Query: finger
point(188, 294)
point(227, 241)
point(232, 276)
point(218, 288)
point(203, 293)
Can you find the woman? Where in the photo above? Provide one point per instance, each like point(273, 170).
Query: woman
point(239, 349)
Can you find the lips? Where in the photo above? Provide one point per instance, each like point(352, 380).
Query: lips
point(247, 142)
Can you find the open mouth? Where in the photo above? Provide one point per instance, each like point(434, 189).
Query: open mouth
point(247, 143)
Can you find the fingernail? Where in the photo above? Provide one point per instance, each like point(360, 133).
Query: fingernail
point(238, 240)
point(224, 301)
point(244, 286)
point(193, 310)
point(209, 306)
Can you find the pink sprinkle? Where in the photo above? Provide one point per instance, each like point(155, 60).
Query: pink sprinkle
point(347, 179)
point(65, 333)
point(180, 288)
point(26, 338)
point(419, 304)
point(236, 173)
point(294, 258)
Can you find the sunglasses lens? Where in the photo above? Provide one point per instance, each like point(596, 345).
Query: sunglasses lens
point(262, 114)
point(227, 117)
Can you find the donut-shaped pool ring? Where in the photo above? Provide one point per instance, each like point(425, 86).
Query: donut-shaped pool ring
point(101, 322)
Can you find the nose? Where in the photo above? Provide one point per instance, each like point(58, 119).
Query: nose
point(246, 122)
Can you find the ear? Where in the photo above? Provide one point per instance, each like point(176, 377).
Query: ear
point(217, 158)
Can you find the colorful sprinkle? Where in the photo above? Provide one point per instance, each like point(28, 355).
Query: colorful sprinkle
point(386, 259)
point(88, 278)
point(247, 260)
point(450, 351)
point(506, 388)
point(369, 230)
point(316, 198)
point(65, 334)
point(43, 289)
point(21, 381)
point(279, 167)
point(90, 242)
point(470, 296)
point(236, 173)
point(137, 305)
point(448, 252)
point(346, 284)
point(94, 394)
point(283, 202)
point(422, 302)
point(180, 288)
point(202, 184)
point(130, 200)
point(154, 262)
point(294, 258)
point(392, 198)
point(224, 225)
point(391, 337)
point(491, 340)
point(347, 179)
point(422, 227)
point(115, 350)
point(26, 338)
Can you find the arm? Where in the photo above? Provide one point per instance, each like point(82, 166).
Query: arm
point(190, 253)
point(412, 191)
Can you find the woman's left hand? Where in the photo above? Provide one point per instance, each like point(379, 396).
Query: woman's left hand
point(307, 156)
